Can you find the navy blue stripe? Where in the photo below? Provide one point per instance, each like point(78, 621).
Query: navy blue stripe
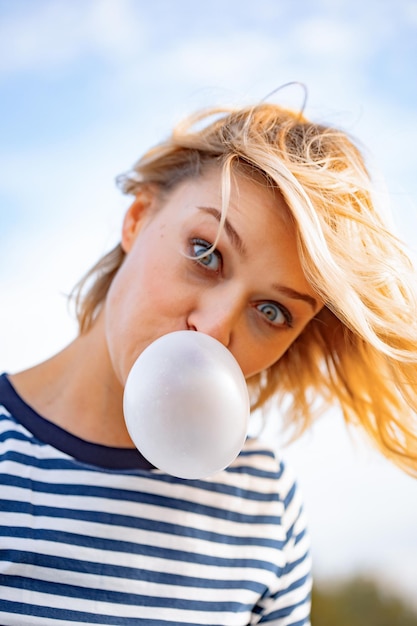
point(138, 523)
point(290, 495)
point(295, 585)
point(271, 480)
point(62, 463)
point(290, 532)
point(112, 545)
point(287, 610)
point(253, 471)
point(293, 564)
point(131, 573)
point(259, 452)
point(120, 597)
point(68, 464)
point(139, 497)
point(300, 536)
point(13, 435)
point(82, 617)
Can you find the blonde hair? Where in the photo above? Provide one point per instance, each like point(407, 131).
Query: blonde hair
point(360, 351)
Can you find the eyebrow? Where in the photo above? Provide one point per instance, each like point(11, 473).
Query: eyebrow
point(238, 244)
point(296, 295)
point(230, 231)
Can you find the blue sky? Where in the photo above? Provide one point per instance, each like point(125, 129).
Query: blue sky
point(87, 85)
point(95, 76)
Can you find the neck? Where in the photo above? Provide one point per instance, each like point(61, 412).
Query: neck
point(78, 390)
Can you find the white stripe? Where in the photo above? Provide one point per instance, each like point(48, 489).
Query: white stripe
point(189, 543)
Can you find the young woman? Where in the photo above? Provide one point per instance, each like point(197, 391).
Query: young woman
point(257, 227)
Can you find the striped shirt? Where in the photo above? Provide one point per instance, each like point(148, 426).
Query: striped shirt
point(91, 534)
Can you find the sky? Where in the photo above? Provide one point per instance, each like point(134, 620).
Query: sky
point(86, 86)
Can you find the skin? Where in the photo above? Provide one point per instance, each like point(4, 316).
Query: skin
point(250, 294)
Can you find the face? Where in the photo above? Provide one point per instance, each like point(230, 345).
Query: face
point(250, 293)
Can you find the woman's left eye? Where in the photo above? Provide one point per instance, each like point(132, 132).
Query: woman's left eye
point(275, 314)
point(210, 259)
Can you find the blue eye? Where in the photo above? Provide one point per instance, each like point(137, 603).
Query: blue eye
point(211, 260)
point(275, 314)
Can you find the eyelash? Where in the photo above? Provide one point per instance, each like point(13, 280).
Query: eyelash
point(207, 252)
point(283, 310)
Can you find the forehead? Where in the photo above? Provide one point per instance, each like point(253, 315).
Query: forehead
point(226, 190)
point(239, 204)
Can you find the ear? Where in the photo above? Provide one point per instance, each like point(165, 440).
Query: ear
point(134, 217)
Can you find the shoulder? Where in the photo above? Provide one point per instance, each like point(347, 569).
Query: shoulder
point(260, 470)
point(263, 460)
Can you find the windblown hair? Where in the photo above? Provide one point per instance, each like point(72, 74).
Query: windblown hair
point(360, 351)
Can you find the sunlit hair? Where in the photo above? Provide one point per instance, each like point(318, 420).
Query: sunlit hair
point(360, 351)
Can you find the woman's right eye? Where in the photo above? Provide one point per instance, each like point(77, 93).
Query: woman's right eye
point(204, 255)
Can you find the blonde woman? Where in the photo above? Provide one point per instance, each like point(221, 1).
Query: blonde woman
point(257, 227)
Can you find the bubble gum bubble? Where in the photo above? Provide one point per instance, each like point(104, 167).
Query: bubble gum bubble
point(186, 405)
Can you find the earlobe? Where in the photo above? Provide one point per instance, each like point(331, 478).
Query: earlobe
point(133, 219)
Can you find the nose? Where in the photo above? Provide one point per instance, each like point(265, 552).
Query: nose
point(217, 316)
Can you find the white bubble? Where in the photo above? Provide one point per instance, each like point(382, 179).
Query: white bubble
point(186, 405)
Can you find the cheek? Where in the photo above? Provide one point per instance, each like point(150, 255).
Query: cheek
point(121, 298)
point(256, 357)
point(142, 304)
point(123, 325)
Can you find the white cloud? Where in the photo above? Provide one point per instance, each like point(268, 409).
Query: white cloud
point(411, 13)
point(324, 36)
point(54, 34)
point(232, 59)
